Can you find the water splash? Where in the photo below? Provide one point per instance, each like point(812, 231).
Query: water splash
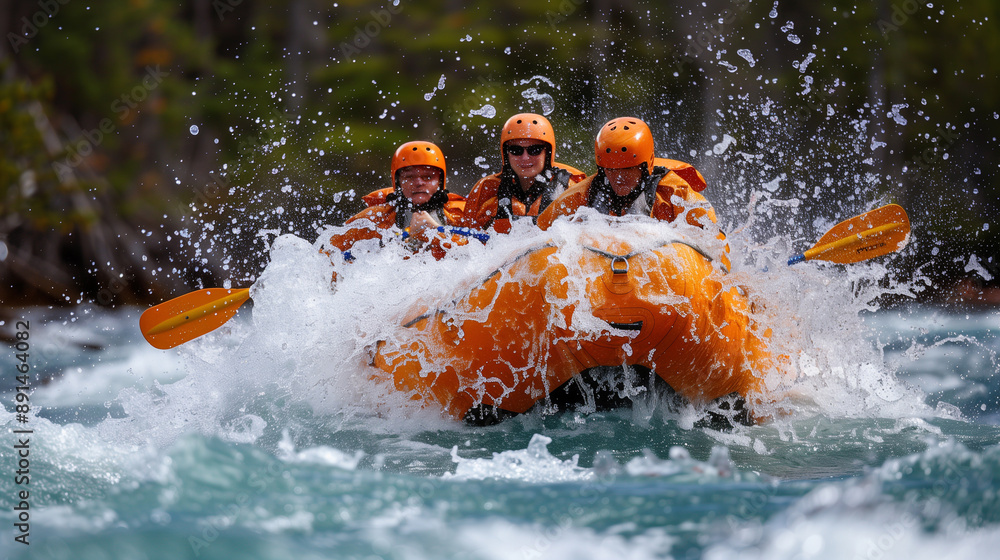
point(486, 111)
point(748, 56)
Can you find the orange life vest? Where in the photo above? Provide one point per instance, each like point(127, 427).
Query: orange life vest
point(372, 222)
point(676, 179)
point(483, 204)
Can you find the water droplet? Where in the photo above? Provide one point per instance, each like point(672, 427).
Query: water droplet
point(488, 111)
point(194, 130)
point(748, 56)
point(896, 115)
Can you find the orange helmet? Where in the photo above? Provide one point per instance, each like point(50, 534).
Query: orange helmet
point(624, 142)
point(529, 125)
point(418, 153)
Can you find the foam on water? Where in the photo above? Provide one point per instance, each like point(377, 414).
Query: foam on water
point(886, 533)
point(497, 539)
point(813, 312)
point(101, 384)
point(534, 464)
point(938, 503)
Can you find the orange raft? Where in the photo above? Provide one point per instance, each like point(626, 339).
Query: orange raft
point(554, 312)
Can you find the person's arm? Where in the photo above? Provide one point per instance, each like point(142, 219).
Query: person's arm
point(476, 210)
point(422, 227)
point(427, 234)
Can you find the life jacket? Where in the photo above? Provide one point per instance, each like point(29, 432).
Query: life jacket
point(497, 199)
point(641, 200)
point(375, 198)
point(386, 211)
point(686, 171)
point(653, 198)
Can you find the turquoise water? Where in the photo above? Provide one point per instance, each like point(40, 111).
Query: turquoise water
point(266, 439)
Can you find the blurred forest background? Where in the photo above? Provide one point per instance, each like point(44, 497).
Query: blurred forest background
point(146, 144)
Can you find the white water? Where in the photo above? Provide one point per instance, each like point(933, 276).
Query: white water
point(309, 340)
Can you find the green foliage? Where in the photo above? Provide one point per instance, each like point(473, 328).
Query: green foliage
point(30, 184)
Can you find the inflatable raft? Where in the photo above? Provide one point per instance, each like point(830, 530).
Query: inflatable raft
point(616, 295)
point(558, 310)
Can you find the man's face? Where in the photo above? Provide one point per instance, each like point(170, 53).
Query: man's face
point(419, 182)
point(624, 180)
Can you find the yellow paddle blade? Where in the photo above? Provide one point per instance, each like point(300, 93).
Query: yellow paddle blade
point(875, 233)
point(189, 316)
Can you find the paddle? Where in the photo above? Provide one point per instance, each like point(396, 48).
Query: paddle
point(875, 233)
point(187, 317)
point(463, 231)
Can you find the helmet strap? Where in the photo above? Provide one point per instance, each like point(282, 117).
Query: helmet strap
point(405, 208)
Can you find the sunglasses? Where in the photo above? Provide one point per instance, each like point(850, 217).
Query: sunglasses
point(533, 150)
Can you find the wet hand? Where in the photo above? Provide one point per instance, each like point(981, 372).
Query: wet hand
point(421, 222)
